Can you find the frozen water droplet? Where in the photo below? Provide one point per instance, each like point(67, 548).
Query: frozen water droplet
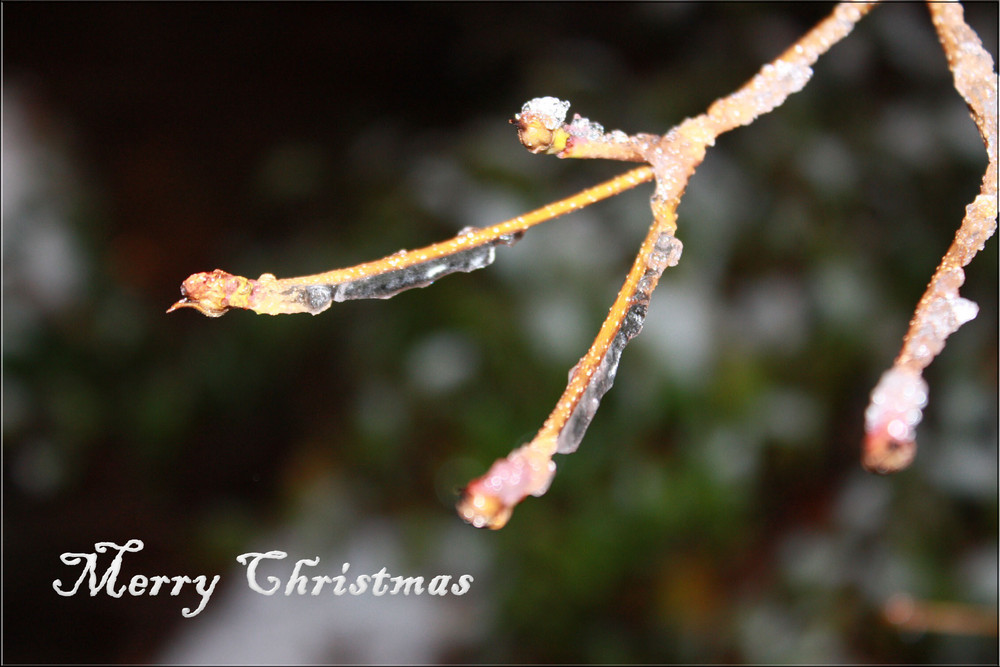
point(510, 239)
point(586, 129)
point(964, 311)
point(618, 137)
point(318, 297)
point(632, 324)
point(666, 252)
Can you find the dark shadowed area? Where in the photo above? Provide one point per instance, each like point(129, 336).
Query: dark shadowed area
point(716, 511)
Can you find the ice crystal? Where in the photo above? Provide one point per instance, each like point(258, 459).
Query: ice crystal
point(550, 110)
point(586, 129)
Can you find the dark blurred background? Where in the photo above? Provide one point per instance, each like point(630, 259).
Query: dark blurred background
point(716, 510)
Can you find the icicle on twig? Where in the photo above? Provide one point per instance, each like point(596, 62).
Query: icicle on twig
point(489, 500)
point(214, 293)
point(896, 402)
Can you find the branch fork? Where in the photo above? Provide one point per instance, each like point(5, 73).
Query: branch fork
point(670, 160)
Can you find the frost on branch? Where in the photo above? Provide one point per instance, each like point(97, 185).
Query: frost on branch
point(895, 409)
point(788, 74)
point(942, 314)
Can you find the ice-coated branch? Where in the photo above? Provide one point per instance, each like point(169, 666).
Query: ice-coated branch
point(488, 501)
point(898, 398)
point(671, 159)
point(789, 73)
point(214, 293)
